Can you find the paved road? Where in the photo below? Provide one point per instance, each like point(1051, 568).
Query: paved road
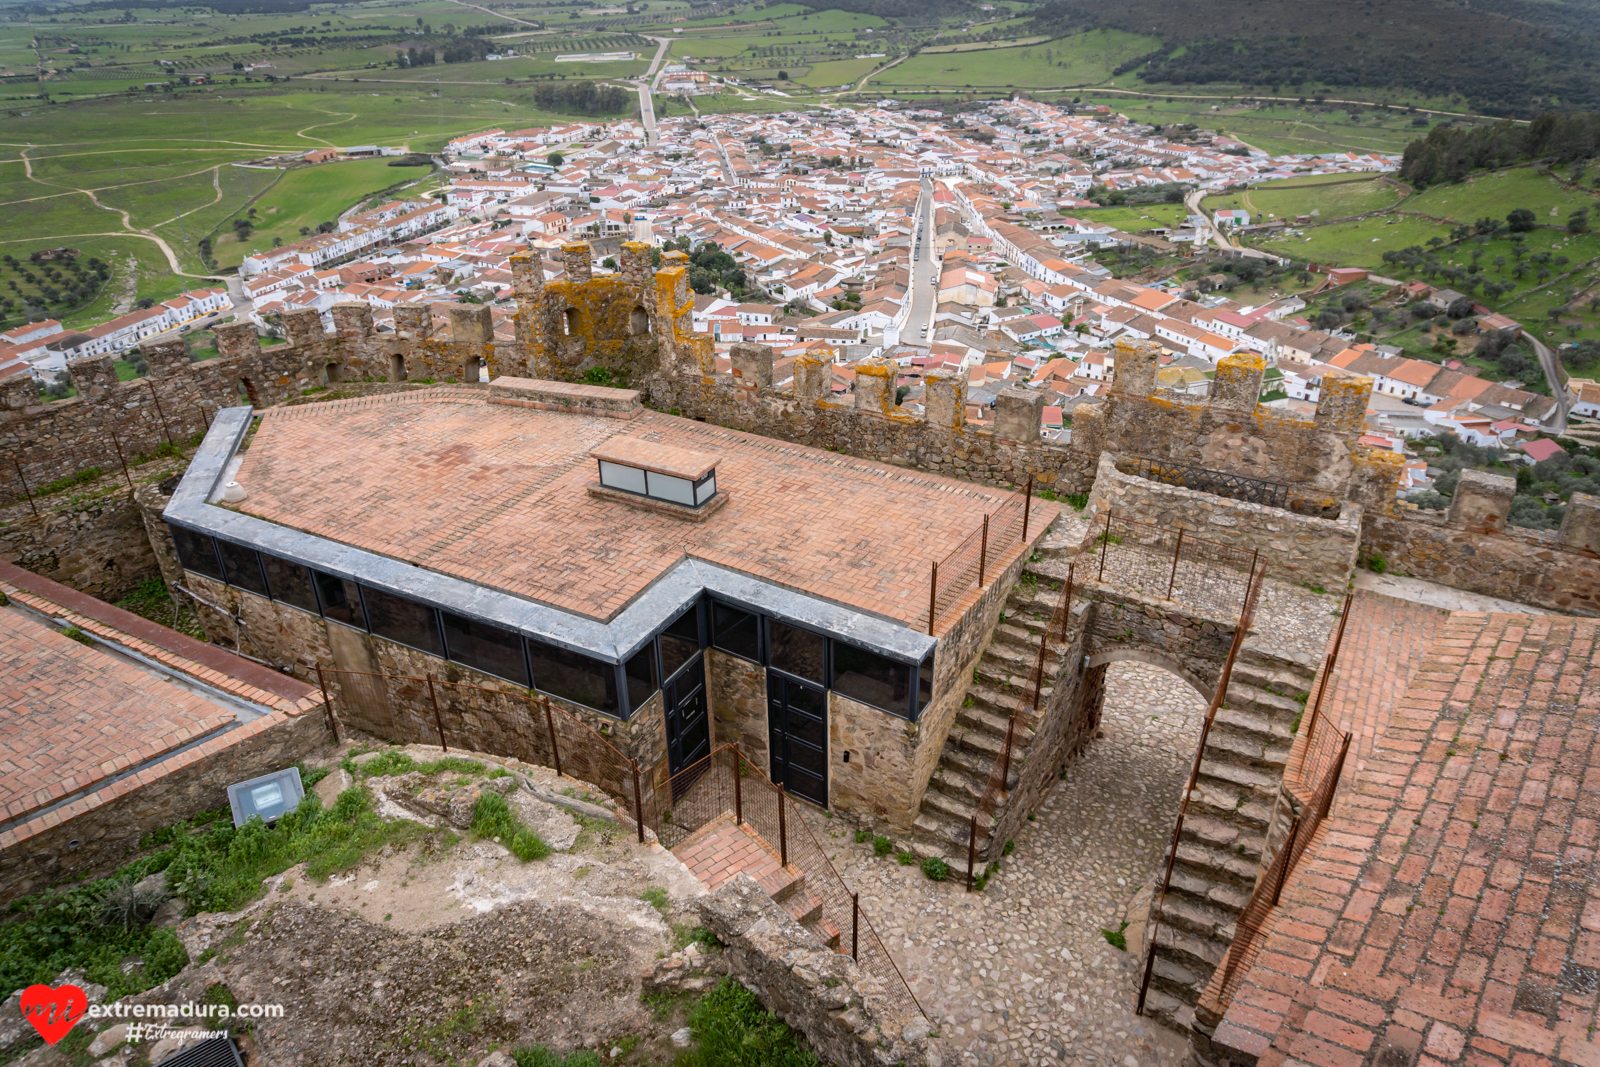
point(647, 88)
point(1192, 202)
point(1552, 374)
point(924, 272)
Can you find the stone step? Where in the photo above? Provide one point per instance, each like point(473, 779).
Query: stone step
point(1225, 743)
point(1243, 695)
point(1273, 673)
point(1189, 951)
point(956, 782)
point(995, 723)
point(828, 934)
point(781, 883)
point(949, 835)
point(1229, 896)
point(1160, 1004)
point(1249, 720)
point(998, 699)
point(1248, 777)
point(1221, 837)
point(988, 743)
point(1302, 664)
point(1230, 805)
point(1217, 866)
point(1200, 919)
point(948, 806)
point(804, 907)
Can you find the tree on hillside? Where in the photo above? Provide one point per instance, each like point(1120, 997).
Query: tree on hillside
point(1521, 220)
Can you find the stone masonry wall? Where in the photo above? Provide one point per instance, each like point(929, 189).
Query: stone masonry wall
point(737, 694)
point(1306, 549)
point(97, 547)
point(1523, 566)
point(842, 1012)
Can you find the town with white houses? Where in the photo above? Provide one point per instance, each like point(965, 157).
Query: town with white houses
point(818, 214)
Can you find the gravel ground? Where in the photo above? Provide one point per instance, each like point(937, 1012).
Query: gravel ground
point(1020, 973)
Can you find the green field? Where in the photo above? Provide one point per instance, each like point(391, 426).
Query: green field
point(1322, 196)
point(1083, 59)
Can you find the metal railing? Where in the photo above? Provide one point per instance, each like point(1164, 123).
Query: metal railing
point(1027, 705)
point(1171, 563)
point(1217, 483)
point(516, 724)
point(981, 555)
point(1240, 631)
point(1269, 888)
point(726, 787)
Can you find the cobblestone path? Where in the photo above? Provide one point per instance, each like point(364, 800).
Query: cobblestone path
point(1020, 973)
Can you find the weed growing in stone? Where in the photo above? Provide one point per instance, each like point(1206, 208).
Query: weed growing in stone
point(492, 817)
point(732, 1029)
point(1116, 938)
point(935, 869)
point(685, 934)
point(881, 846)
point(905, 859)
point(863, 836)
point(656, 897)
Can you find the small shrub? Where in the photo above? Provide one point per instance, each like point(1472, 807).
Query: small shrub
point(1377, 564)
point(1115, 938)
point(881, 846)
point(905, 859)
point(656, 897)
point(1011, 846)
point(128, 906)
point(863, 836)
point(1079, 501)
point(935, 869)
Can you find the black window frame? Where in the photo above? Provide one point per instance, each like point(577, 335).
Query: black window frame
point(267, 559)
point(211, 542)
point(433, 619)
point(320, 578)
point(713, 606)
point(253, 556)
point(525, 681)
point(907, 672)
point(609, 674)
point(826, 681)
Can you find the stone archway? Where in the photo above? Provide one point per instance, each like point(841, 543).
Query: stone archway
point(1154, 659)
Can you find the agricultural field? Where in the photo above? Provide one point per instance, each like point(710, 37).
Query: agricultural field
point(1083, 59)
point(1322, 196)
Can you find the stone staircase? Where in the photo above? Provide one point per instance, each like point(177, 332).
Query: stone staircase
point(1000, 679)
point(719, 850)
point(1224, 834)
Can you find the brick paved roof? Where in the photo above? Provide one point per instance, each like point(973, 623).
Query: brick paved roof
point(498, 495)
point(72, 716)
point(1448, 911)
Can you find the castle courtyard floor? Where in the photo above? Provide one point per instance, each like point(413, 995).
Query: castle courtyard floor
point(1021, 973)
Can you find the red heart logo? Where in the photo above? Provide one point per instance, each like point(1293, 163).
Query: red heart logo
point(53, 1011)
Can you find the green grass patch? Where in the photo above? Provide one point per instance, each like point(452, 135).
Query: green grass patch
point(493, 818)
point(731, 1029)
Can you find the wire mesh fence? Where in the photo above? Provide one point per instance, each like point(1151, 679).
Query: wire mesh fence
point(982, 554)
point(408, 709)
point(726, 788)
point(1269, 887)
point(1170, 563)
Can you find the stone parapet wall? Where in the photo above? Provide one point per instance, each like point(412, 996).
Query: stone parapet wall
point(842, 1011)
point(96, 547)
point(1524, 566)
point(1298, 548)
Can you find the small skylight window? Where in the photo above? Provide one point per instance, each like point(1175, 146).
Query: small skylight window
point(659, 472)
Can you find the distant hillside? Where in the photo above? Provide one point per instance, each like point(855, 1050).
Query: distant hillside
point(1450, 153)
point(1519, 59)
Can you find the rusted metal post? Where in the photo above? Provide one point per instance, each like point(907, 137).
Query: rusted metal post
point(550, 724)
point(161, 414)
point(783, 828)
point(1250, 575)
point(327, 704)
point(738, 791)
point(204, 418)
point(438, 720)
point(1005, 766)
point(121, 460)
point(1177, 551)
point(1149, 969)
point(933, 587)
point(1038, 671)
point(638, 801)
point(855, 925)
point(1027, 505)
point(1288, 859)
point(1066, 601)
point(29, 493)
point(983, 551)
point(1327, 666)
point(972, 849)
point(1105, 545)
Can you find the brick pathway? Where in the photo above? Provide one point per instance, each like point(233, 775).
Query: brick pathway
point(1448, 913)
point(719, 850)
point(1384, 643)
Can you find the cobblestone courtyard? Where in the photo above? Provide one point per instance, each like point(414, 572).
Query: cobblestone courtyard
point(1020, 973)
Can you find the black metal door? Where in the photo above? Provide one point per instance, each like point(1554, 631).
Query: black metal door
point(688, 732)
point(797, 729)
